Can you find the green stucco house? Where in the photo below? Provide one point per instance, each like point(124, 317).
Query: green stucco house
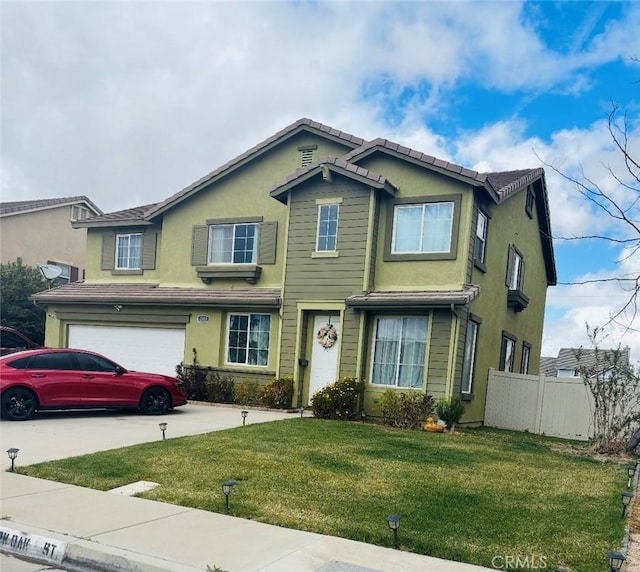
point(317, 254)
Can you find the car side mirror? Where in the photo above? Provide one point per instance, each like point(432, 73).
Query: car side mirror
point(119, 370)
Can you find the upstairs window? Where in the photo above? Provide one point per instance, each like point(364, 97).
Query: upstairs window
point(327, 234)
point(128, 251)
point(424, 228)
point(515, 269)
point(481, 237)
point(233, 243)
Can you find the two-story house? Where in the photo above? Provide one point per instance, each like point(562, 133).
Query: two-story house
point(41, 232)
point(317, 255)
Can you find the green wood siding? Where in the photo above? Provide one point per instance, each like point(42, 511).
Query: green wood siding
point(438, 366)
point(322, 279)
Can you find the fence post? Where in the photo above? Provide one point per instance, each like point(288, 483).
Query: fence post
point(539, 405)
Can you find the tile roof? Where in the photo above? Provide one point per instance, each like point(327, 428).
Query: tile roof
point(427, 298)
point(334, 164)
point(440, 164)
point(153, 294)
point(16, 207)
point(506, 182)
point(135, 214)
point(299, 125)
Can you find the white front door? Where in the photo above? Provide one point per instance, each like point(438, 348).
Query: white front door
point(324, 359)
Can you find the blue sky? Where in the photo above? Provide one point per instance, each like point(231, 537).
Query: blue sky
point(128, 102)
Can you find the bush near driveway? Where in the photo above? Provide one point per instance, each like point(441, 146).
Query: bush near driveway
point(467, 497)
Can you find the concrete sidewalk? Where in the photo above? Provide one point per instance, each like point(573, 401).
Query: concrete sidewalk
point(74, 528)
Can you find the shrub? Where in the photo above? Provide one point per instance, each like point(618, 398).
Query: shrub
point(338, 400)
point(450, 410)
point(405, 410)
point(220, 389)
point(278, 393)
point(194, 378)
point(247, 392)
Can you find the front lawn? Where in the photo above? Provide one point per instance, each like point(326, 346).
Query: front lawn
point(469, 497)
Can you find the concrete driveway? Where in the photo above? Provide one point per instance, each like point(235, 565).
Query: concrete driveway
point(61, 434)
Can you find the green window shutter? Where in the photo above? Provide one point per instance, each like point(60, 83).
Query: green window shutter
point(149, 241)
point(108, 252)
point(199, 245)
point(509, 265)
point(267, 244)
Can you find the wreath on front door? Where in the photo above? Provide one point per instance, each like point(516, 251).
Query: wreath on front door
point(327, 336)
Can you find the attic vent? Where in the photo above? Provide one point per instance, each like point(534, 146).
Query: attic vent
point(307, 154)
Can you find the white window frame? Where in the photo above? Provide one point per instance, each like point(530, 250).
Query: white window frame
point(515, 280)
point(507, 358)
point(525, 359)
point(232, 252)
point(130, 261)
point(398, 364)
point(424, 206)
point(481, 237)
point(328, 219)
point(470, 347)
point(246, 362)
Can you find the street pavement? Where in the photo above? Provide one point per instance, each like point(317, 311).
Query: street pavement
point(64, 527)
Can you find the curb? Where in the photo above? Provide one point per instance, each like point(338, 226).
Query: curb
point(76, 554)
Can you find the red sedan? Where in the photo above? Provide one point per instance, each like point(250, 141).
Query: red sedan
point(40, 379)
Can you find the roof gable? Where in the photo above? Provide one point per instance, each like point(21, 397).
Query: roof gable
point(302, 125)
point(325, 167)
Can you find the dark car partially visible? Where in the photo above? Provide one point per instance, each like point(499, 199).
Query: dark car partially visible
point(14, 341)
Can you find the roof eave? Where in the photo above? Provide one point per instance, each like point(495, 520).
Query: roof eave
point(111, 223)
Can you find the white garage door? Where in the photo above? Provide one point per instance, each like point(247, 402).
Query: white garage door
point(157, 350)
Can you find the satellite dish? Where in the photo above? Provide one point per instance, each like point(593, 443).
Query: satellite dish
point(50, 271)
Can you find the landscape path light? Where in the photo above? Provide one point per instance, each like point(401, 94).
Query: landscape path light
point(227, 487)
point(616, 560)
point(163, 428)
point(626, 500)
point(631, 471)
point(393, 520)
point(244, 414)
point(13, 453)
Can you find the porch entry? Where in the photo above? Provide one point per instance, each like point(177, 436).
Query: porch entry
point(324, 352)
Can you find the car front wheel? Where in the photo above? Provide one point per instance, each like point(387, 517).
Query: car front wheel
point(18, 404)
point(155, 401)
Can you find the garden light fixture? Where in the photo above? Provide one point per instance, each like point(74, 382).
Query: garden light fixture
point(301, 411)
point(227, 487)
point(163, 428)
point(244, 414)
point(616, 560)
point(393, 521)
point(631, 471)
point(13, 453)
point(626, 500)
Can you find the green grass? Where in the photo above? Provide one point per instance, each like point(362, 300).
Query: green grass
point(466, 497)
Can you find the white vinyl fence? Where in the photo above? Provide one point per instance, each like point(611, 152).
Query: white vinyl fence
point(555, 406)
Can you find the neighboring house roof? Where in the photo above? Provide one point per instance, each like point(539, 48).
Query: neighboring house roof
point(119, 218)
point(153, 294)
point(326, 166)
point(425, 298)
point(575, 358)
point(22, 207)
